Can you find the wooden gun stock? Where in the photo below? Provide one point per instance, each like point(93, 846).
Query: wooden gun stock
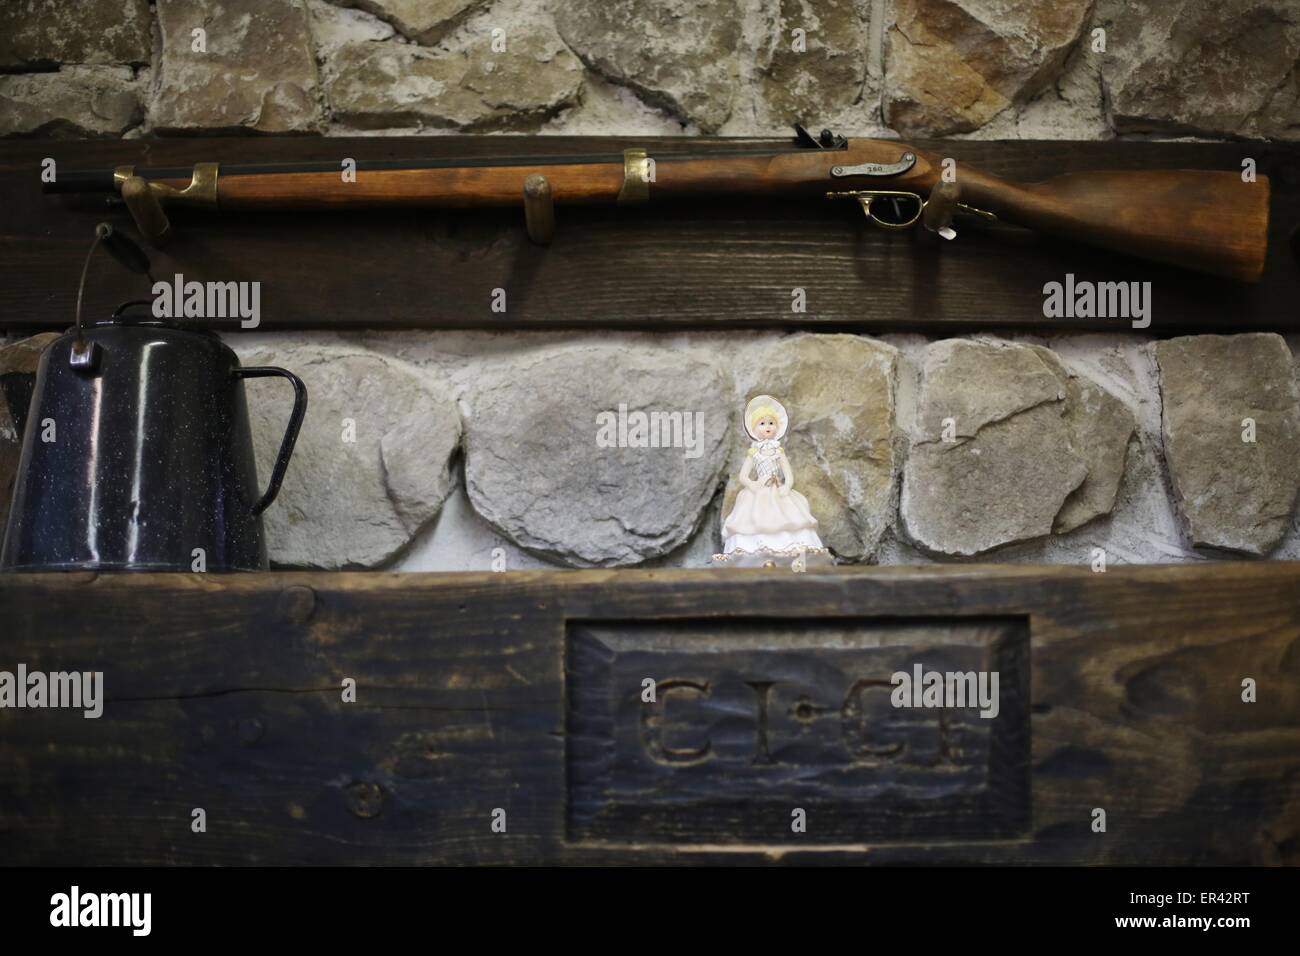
point(1208, 221)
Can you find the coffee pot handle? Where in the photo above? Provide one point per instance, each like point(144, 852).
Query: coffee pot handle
point(290, 433)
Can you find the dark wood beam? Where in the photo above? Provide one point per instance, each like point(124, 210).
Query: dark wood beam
point(521, 691)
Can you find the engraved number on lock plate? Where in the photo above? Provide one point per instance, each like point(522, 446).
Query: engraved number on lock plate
point(905, 162)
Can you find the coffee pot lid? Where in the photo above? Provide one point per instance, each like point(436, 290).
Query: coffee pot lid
point(120, 316)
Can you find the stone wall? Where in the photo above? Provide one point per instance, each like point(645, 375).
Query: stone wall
point(1072, 69)
point(470, 450)
point(1169, 451)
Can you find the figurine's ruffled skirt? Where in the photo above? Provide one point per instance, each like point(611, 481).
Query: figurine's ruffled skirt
point(767, 520)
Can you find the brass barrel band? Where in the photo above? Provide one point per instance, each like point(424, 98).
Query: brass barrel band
point(636, 177)
point(201, 191)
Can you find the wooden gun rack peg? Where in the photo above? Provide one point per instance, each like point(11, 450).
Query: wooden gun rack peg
point(146, 210)
point(939, 208)
point(539, 209)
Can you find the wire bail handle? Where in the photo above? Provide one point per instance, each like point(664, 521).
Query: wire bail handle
point(84, 355)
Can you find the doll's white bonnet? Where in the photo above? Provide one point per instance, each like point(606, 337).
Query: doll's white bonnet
point(762, 405)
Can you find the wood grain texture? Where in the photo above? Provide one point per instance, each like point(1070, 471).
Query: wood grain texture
point(482, 691)
point(687, 265)
point(471, 187)
point(1212, 222)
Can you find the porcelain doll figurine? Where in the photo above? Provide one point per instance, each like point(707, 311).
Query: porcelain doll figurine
point(770, 524)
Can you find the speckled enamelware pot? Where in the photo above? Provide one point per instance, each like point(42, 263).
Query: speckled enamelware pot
point(137, 453)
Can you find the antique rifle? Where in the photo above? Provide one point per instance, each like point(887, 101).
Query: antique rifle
point(1214, 222)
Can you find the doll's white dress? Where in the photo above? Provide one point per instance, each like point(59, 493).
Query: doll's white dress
point(764, 521)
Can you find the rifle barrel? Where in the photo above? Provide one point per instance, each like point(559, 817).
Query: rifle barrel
point(102, 180)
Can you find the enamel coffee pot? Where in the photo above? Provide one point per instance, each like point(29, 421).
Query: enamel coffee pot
point(137, 453)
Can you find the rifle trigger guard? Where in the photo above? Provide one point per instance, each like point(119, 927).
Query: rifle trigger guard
point(938, 209)
point(867, 197)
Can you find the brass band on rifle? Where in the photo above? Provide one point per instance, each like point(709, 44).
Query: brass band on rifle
point(202, 190)
point(636, 177)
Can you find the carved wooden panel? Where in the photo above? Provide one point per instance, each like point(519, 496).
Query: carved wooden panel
point(755, 720)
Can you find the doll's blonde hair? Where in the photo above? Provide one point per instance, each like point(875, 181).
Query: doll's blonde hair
point(763, 411)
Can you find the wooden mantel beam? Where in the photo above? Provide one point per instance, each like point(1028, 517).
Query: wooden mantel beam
point(522, 692)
